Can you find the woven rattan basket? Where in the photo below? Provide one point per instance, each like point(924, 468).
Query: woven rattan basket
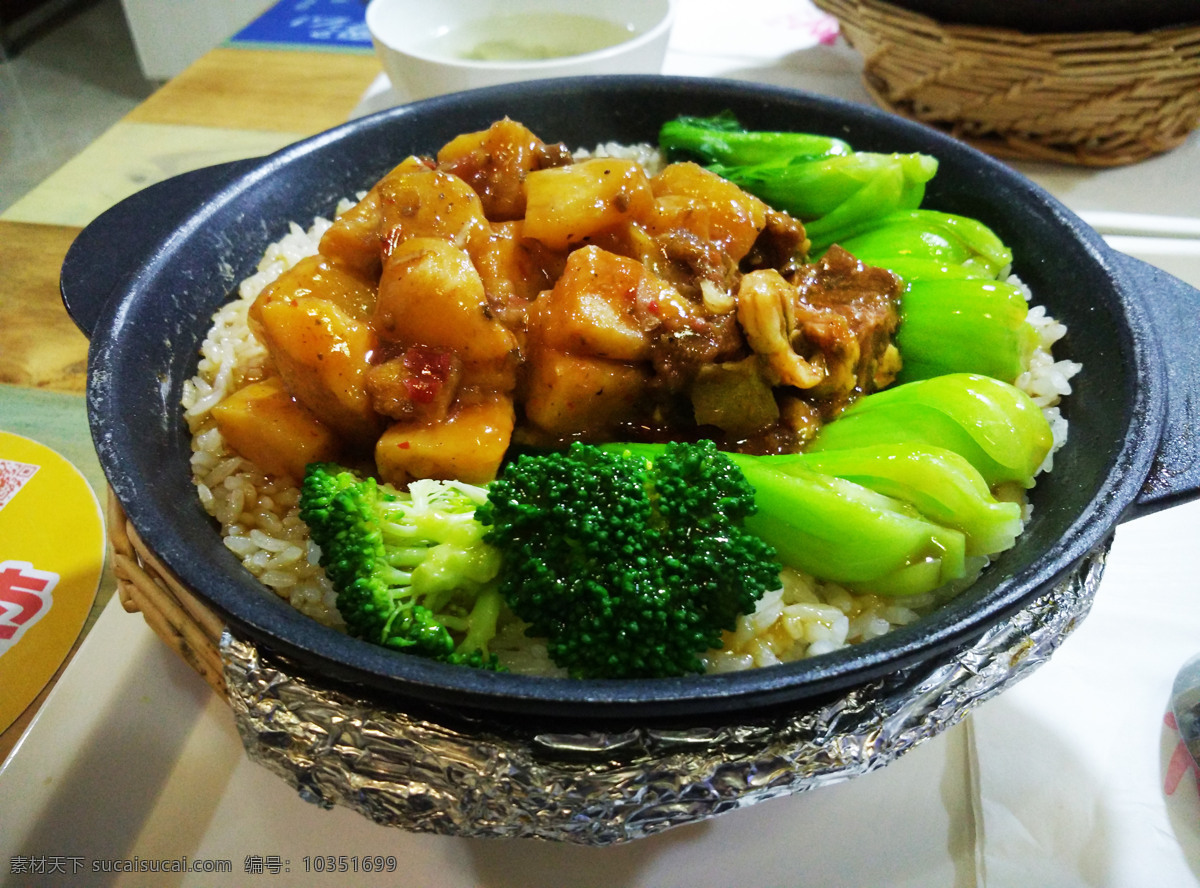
point(1097, 98)
point(146, 586)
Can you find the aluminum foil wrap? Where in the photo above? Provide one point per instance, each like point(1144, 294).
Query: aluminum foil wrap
point(599, 788)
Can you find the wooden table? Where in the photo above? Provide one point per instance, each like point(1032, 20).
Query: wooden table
point(210, 113)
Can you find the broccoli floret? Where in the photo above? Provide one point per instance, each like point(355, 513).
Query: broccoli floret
point(630, 560)
point(411, 569)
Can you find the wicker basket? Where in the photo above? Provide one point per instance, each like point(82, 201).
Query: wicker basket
point(1102, 98)
point(145, 585)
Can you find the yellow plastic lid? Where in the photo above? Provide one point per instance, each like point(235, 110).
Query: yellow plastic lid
point(52, 549)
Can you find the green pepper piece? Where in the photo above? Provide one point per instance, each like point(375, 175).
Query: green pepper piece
point(938, 483)
point(721, 139)
point(843, 532)
point(993, 424)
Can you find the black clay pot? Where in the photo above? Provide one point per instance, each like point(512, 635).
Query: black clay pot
point(145, 278)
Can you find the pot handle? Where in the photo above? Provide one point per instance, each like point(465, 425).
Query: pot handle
point(1174, 310)
point(120, 238)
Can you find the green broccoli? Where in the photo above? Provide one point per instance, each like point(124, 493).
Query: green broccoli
point(411, 569)
point(630, 566)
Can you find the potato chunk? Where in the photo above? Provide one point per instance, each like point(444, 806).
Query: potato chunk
point(586, 397)
point(323, 278)
point(467, 445)
point(570, 204)
point(495, 162)
point(354, 239)
point(724, 213)
point(322, 354)
point(596, 308)
point(430, 294)
point(515, 269)
point(263, 423)
point(431, 203)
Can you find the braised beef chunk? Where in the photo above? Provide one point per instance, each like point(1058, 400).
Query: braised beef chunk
point(554, 154)
point(850, 312)
point(782, 245)
point(691, 259)
point(681, 350)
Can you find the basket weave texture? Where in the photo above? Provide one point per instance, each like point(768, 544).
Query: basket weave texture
point(1098, 98)
point(147, 586)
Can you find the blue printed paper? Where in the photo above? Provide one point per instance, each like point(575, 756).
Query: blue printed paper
point(336, 24)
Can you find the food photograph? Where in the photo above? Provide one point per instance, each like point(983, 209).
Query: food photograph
point(562, 444)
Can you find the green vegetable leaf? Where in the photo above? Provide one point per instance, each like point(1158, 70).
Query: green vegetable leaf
point(721, 139)
point(941, 485)
point(914, 243)
point(991, 423)
point(837, 197)
point(964, 326)
point(847, 533)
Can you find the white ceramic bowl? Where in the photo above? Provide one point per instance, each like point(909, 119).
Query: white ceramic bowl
point(432, 48)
